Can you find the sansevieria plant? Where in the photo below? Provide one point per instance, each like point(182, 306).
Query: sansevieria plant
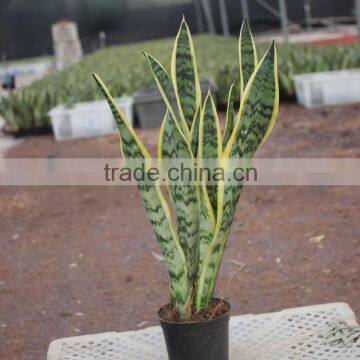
point(193, 245)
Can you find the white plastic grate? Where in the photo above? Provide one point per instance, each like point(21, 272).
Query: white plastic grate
point(291, 334)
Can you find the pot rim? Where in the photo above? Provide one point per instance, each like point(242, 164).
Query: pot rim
point(195, 322)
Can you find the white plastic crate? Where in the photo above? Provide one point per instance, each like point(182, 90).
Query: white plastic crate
point(300, 333)
point(87, 119)
point(328, 88)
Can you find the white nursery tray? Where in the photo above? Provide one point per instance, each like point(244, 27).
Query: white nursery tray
point(328, 88)
point(300, 333)
point(87, 119)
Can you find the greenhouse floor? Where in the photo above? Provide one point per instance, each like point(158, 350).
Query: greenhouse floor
point(84, 260)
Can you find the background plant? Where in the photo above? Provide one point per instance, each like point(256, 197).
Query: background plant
point(193, 247)
point(123, 69)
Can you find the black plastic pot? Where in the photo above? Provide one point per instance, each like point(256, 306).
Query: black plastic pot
point(204, 340)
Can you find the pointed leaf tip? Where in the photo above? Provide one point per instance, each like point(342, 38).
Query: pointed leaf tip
point(183, 23)
point(208, 94)
point(245, 24)
point(184, 75)
point(147, 56)
point(271, 50)
point(97, 79)
point(247, 54)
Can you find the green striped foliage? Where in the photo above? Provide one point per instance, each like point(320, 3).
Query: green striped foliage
point(173, 145)
point(194, 134)
point(207, 224)
point(258, 112)
point(247, 55)
point(204, 211)
point(155, 206)
point(185, 76)
point(210, 142)
point(230, 118)
point(258, 109)
point(164, 84)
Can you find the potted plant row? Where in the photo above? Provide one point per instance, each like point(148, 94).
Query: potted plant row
point(194, 322)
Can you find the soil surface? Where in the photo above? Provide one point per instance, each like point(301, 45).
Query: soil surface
point(82, 260)
point(217, 308)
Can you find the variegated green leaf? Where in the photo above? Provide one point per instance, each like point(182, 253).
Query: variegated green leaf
point(229, 124)
point(247, 55)
point(258, 113)
point(173, 145)
point(164, 84)
point(258, 109)
point(207, 224)
point(210, 142)
point(156, 208)
point(194, 134)
point(185, 76)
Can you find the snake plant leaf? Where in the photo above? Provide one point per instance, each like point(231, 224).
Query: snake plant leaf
point(247, 55)
point(258, 113)
point(229, 124)
point(211, 249)
point(185, 76)
point(173, 145)
point(164, 84)
point(210, 142)
point(207, 224)
point(155, 206)
point(194, 133)
point(258, 110)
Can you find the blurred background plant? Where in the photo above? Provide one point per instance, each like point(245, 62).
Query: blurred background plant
point(124, 69)
point(109, 31)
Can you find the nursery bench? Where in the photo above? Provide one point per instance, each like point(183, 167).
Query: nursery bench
point(299, 333)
